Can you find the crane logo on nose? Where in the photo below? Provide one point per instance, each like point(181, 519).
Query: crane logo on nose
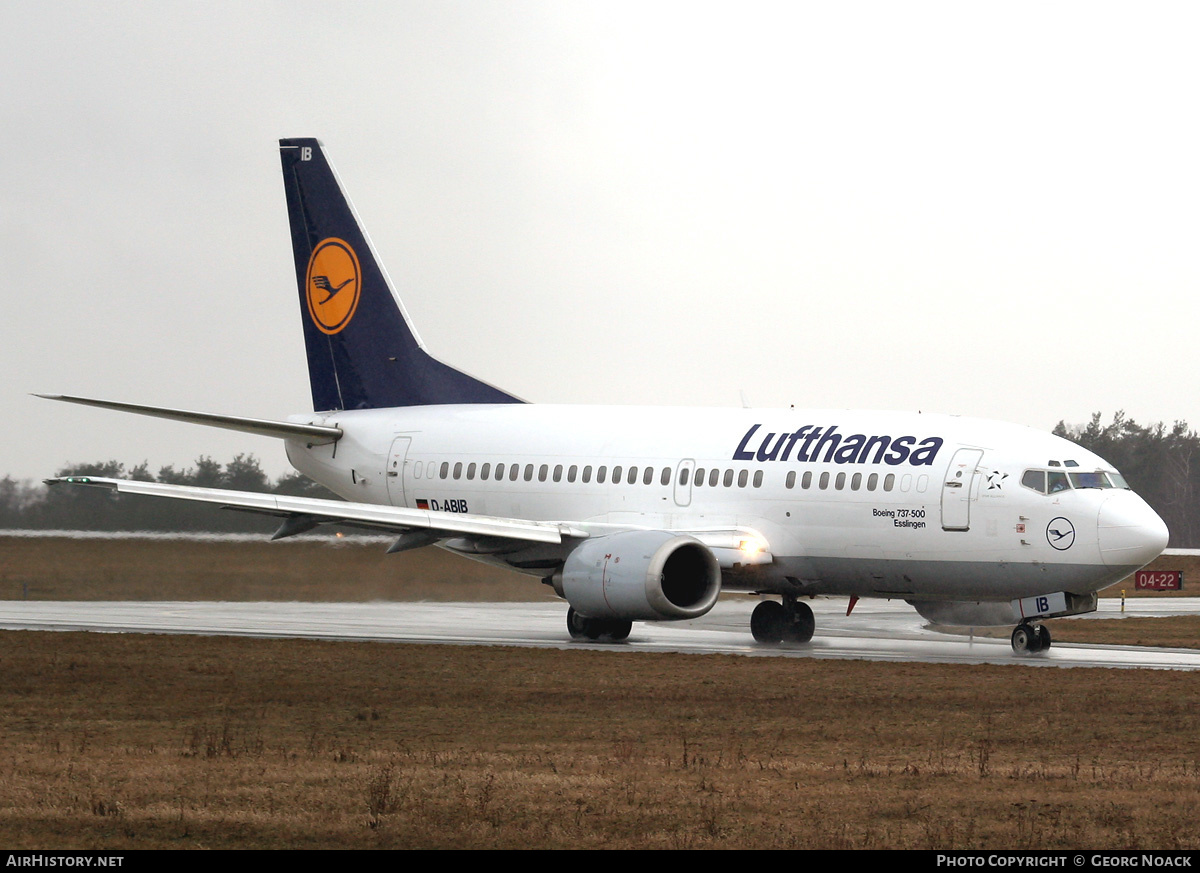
point(1060, 533)
point(333, 286)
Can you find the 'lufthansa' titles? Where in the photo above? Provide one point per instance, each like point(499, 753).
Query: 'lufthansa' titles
point(812, 444)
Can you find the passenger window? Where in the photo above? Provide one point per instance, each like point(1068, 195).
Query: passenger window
point(417, 470)
point(529, 472)
point(743, 475)
point(856, 482)
point(728, 478)
point(558, 472)
point(648, 476)
point(445, 469)
point(616, 477)
point(873, 482)
point(713, 475)
point(699, 480)
point(684, 476)
point(906, 481)
point(471, 470)
point(632, 478)
point(666, 476)
point(824, 485)
point(790, 481)
point(889, 481)
point(758, 478)
point(458, 470)
point(484, 471)
point(840, 482)
point(571, 473)
point(513, 471)
point(806, 482)
point(542, 471)
point(601, 474)
point(587, 474)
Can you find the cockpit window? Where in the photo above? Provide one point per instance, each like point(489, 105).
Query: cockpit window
point(1053, 481)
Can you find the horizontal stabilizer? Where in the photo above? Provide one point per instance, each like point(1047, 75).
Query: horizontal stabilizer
point(388, 518)
point(316, 434)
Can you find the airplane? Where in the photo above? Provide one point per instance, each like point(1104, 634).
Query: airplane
point(649, 514)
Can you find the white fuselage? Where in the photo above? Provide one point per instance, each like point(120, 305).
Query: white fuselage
point(919, 506)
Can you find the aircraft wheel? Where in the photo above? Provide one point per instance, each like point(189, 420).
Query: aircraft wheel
point(802, 625)
point(1043, 637)
point(580, 627)
point(768, 622)
point(618, 631)
point(576, 624)
point(1024, 639)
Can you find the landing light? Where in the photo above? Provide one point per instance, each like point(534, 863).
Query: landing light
point(752, 546)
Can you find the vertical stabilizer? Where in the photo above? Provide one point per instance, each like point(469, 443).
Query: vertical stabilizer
point(362, 351)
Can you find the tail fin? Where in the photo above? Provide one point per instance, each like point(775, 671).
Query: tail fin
point(362, 350)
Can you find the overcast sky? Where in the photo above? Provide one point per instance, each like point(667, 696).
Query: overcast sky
point(984, 209)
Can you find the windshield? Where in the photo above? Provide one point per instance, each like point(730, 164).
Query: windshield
point(1054, 481)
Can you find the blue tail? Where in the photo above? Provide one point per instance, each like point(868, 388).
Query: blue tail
point(362, 351)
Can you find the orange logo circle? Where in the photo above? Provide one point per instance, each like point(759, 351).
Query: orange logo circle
point(334, 285)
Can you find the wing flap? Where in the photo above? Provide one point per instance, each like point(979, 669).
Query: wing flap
point(309, 509)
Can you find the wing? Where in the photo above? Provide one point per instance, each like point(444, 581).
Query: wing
point(416, 527)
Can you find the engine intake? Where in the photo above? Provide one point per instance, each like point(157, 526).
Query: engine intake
point(650, 575)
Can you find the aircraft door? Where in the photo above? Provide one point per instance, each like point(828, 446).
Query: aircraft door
point(683, 482)
point(395, 470)
point(958, 488)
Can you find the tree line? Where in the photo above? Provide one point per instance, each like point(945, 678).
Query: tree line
point(1156, 460)
point(28, 506)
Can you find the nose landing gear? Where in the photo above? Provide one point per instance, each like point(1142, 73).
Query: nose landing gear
point(1029, 639)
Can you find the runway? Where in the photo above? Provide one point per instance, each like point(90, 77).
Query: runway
point(879, 631)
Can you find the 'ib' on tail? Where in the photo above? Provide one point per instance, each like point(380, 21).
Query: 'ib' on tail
point(362, 351)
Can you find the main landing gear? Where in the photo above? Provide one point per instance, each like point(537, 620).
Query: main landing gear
point(788, 622)
point(1029, 639)
point(583, 628)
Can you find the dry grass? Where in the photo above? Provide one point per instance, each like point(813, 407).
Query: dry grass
point(63, 568)
point(122, 741)
point(1177, 632)
point(158, 741)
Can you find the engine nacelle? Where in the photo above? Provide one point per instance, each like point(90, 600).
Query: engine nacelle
point(640, 575)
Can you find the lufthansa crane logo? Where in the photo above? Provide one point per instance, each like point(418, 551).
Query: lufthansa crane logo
point(1060, 533)
point(333, 285)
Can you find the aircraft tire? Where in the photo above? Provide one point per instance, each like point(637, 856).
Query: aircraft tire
point(769, 622)
point(576, 624)
point(1024, 639)
point(802, 625)
point(618, 631)
point(1043, 637)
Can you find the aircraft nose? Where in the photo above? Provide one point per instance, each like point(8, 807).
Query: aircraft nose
point(1131, 534)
